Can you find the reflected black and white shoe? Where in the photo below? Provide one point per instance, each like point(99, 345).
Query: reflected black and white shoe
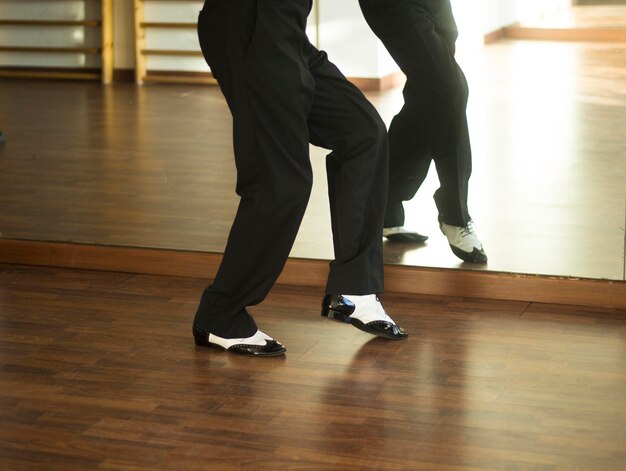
point(363, 312)
point(259, 345)
point(402, 235)
point(464, 242)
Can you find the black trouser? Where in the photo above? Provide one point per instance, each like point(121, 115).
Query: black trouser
point(283, 93)
point(420, 35)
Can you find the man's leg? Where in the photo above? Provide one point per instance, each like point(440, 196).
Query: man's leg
point(269, 92)
point(435, 103)
point(343, 121)
point(431, 121)
point(409, 162)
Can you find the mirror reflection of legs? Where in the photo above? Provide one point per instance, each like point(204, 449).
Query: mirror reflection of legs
point(432, 124)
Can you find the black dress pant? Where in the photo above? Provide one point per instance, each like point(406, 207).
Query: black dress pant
point(420, 35)
point(283, 93)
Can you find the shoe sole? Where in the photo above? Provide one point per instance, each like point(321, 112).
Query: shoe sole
point(407, 238)
point(476, 256)
point(365, 328)
point(202, 342)
point(339, 317)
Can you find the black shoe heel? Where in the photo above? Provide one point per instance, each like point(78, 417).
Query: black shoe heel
point(335, 315)
point(338, 308)
point(200, 337)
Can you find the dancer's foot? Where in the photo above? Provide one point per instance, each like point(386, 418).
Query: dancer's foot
point(259, 345)
point(464, 242)
point(402, 235)
point(363, 312)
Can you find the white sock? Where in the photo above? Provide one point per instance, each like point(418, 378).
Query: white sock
point(368, 308)
point(259, 338)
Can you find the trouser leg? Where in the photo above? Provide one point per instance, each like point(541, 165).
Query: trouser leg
point(343, 121)
point(256, 51)
point(432, 123)
point(411, 159)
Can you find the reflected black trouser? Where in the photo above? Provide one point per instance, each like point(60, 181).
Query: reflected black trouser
point(283, 93)
point(420, 35)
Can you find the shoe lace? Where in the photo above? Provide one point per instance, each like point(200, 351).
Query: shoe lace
point(468, 229)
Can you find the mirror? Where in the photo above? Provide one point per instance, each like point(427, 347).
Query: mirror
point(152, 166)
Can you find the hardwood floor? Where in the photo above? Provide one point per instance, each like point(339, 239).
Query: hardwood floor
point(99, 371)
point(584, 17)
point(152, 166)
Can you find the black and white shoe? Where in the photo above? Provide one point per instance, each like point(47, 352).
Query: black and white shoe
point(402, 235)
point(258, 345)
point(363, 312)
point(464, 242)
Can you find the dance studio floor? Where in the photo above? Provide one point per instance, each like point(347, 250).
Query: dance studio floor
point(99, 371)
point(152, 166)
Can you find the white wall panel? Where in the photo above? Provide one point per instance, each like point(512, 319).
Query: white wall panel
point(62, 9)
point(49, 60)
point(50, 36)
point(172, 11)
point(175, 63)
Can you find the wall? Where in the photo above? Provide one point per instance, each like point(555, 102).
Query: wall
point(343, 31)
point(354, 48)
point(351, 45)
point(43, 36)
point(347, 38)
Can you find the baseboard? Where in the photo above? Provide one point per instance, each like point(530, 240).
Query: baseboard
point(494, 36)
point(124, 75)
point(165, 76)
point(51, 73)
point(609, 35)
point(303, 272)
point(378, 84)
point(517, 31)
